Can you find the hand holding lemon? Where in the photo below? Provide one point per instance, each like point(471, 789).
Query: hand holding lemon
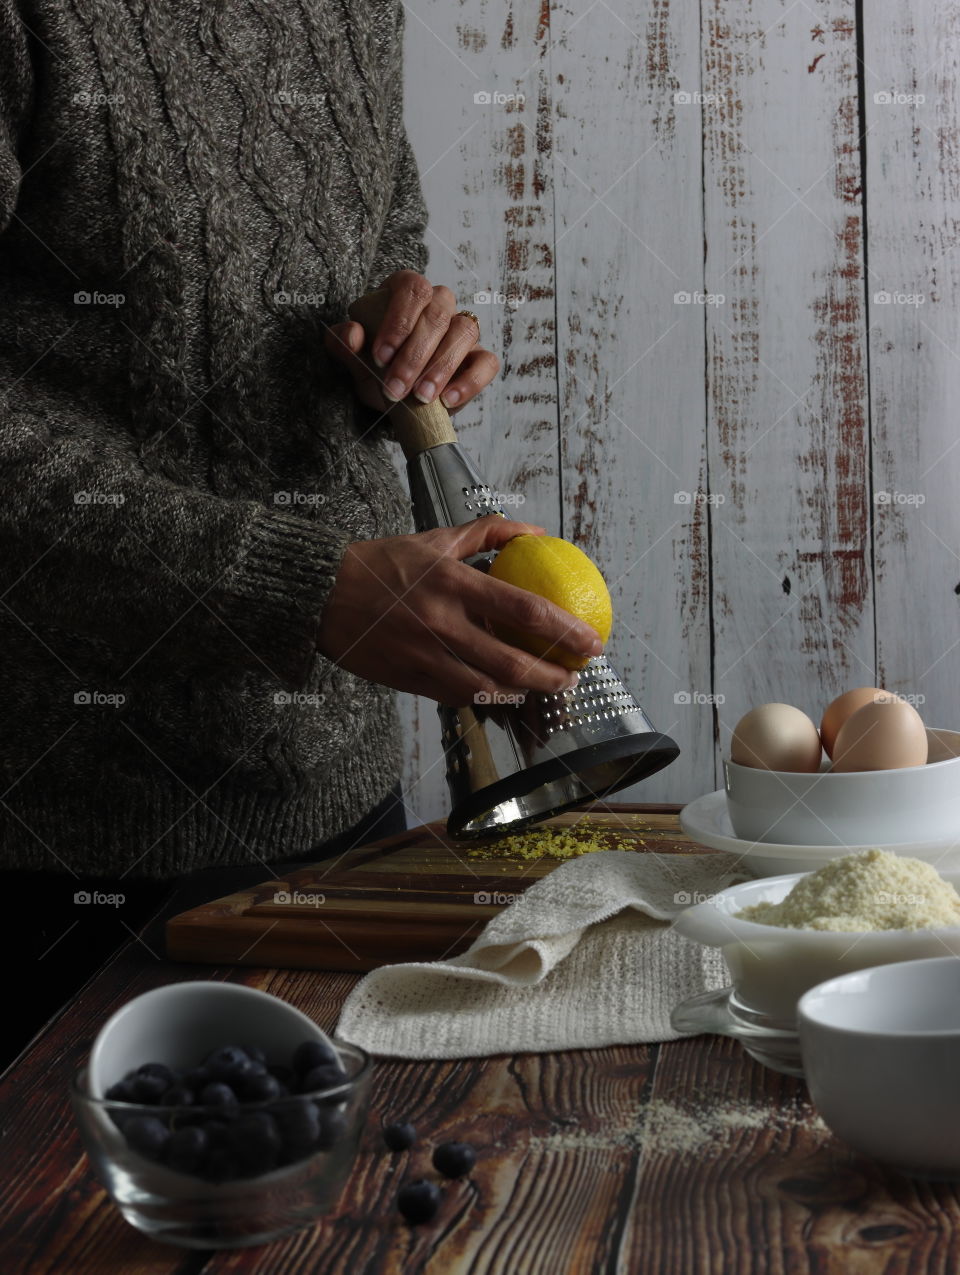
point(408, 612)
point(563, 574)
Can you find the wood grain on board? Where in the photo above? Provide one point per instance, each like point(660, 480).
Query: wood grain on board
point(417, 896)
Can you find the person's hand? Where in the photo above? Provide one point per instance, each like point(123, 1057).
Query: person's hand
point(422, 345)
point(408, 613)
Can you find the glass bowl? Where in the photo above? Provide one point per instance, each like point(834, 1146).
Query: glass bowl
point(229, 1199)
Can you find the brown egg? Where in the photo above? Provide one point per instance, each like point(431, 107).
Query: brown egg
point(840, 709)
point(885, 735)
point(776, 737)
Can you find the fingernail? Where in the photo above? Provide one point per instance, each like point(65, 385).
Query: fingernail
point(394, 388)
point(571, 682)
point(425, 391)
point(593, 648)
point(383, 354)
point(450, 398)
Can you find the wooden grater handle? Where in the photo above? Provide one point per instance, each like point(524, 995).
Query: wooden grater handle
point(417, 425)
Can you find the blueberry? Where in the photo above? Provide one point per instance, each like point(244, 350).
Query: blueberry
point(218, 1133)
point(122, 1091)
point(326, 1076)
point(299, 1123)
point(454, 1159)
point(333, 1126)
point(313, 1053)
point(187, 1148)
point(222, 1063)
point(148, 1089)
point(220, 1166)
point(146, 1134)
point(283, 1074)
point(399, 1137)
point(256, 1142)
point(197, 1078)
point(255, 1053)
point(262, 1089)
point(177, 1096)
point(217, 1094)
point(419, 1201)
point(244, 1072)
point(159, 1069)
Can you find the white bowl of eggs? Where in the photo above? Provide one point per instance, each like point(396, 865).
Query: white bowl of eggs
point(872, 774)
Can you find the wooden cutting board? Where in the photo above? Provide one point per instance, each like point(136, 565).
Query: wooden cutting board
point(411, 897)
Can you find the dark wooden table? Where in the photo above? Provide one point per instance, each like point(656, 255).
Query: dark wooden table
point(683, 1158)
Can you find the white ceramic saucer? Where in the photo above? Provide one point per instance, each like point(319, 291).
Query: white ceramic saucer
point(707, 822)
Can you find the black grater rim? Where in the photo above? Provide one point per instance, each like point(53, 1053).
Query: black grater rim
point(652, 747)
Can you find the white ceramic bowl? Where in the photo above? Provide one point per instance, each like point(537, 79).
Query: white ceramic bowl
point(771, 967)
point(707, 822)
point(917, 803)
point(179, 1023)
point(881, 1054)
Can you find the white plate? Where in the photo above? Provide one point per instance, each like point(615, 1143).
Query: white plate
point(707, 822)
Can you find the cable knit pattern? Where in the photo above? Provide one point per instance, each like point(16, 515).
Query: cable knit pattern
point(189, 192)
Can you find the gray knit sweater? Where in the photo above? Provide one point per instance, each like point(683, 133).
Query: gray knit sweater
point(189, 191)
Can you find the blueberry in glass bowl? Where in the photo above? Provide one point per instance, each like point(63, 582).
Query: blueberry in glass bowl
point(209, 1140)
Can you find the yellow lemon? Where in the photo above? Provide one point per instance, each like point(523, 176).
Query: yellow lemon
point(559, 571)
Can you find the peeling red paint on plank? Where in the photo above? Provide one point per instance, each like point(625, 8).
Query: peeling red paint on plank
point(508, 39)
point(473, 39)
point(543, 22)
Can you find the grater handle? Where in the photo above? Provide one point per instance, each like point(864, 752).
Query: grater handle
point(417, 426)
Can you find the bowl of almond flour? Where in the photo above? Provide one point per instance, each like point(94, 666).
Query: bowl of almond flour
point(781, 936)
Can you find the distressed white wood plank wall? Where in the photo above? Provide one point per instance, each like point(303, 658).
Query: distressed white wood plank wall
point(479, 106)
point(786, 356)
point(642, 150)
point(911, 59)
point(629, 241)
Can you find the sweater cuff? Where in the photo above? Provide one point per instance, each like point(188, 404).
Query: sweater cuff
point(273, 599)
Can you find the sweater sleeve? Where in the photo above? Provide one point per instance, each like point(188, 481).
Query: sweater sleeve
point(92, 544)
point(401, 245)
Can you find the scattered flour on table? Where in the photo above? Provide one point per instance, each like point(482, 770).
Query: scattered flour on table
point(662, 1128)
point(872, 890)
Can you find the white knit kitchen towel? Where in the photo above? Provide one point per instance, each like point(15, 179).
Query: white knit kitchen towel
point(585, 957)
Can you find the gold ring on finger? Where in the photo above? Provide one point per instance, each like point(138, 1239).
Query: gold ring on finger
point(468, 314)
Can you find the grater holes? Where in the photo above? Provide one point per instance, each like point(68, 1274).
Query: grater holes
point(479, 499)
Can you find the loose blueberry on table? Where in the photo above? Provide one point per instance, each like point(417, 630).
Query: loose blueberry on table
point(454, 1159)
point(399, 1137)
point(240, 1140)
point(419, 1201)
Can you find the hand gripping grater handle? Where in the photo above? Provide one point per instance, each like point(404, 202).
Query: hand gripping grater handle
point(446, 489)
point(417, 426)
point(513, 765)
